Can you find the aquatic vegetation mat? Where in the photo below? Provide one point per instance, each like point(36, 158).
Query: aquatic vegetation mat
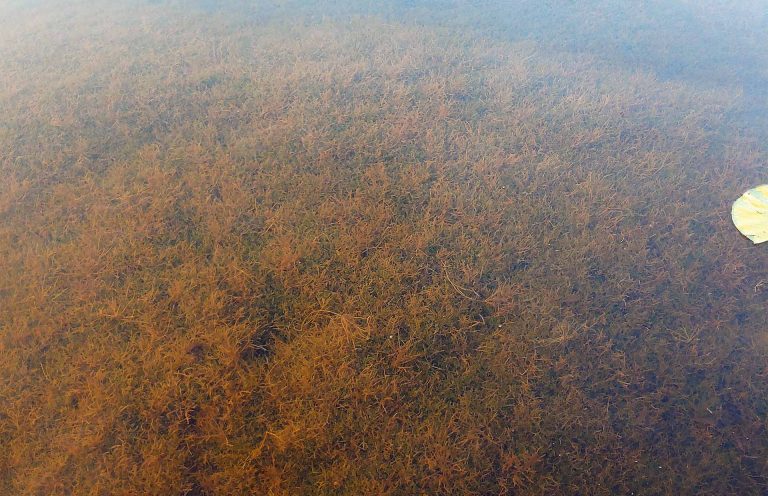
point(251, 252)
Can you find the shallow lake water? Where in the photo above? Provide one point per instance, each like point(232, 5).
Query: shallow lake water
point(398, 247)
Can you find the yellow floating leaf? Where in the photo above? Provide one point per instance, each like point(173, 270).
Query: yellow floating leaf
point(750, 214)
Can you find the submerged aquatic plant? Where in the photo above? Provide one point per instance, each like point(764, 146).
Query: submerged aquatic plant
point(259, 250)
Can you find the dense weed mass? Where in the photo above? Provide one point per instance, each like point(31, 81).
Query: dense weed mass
point(262, 250)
